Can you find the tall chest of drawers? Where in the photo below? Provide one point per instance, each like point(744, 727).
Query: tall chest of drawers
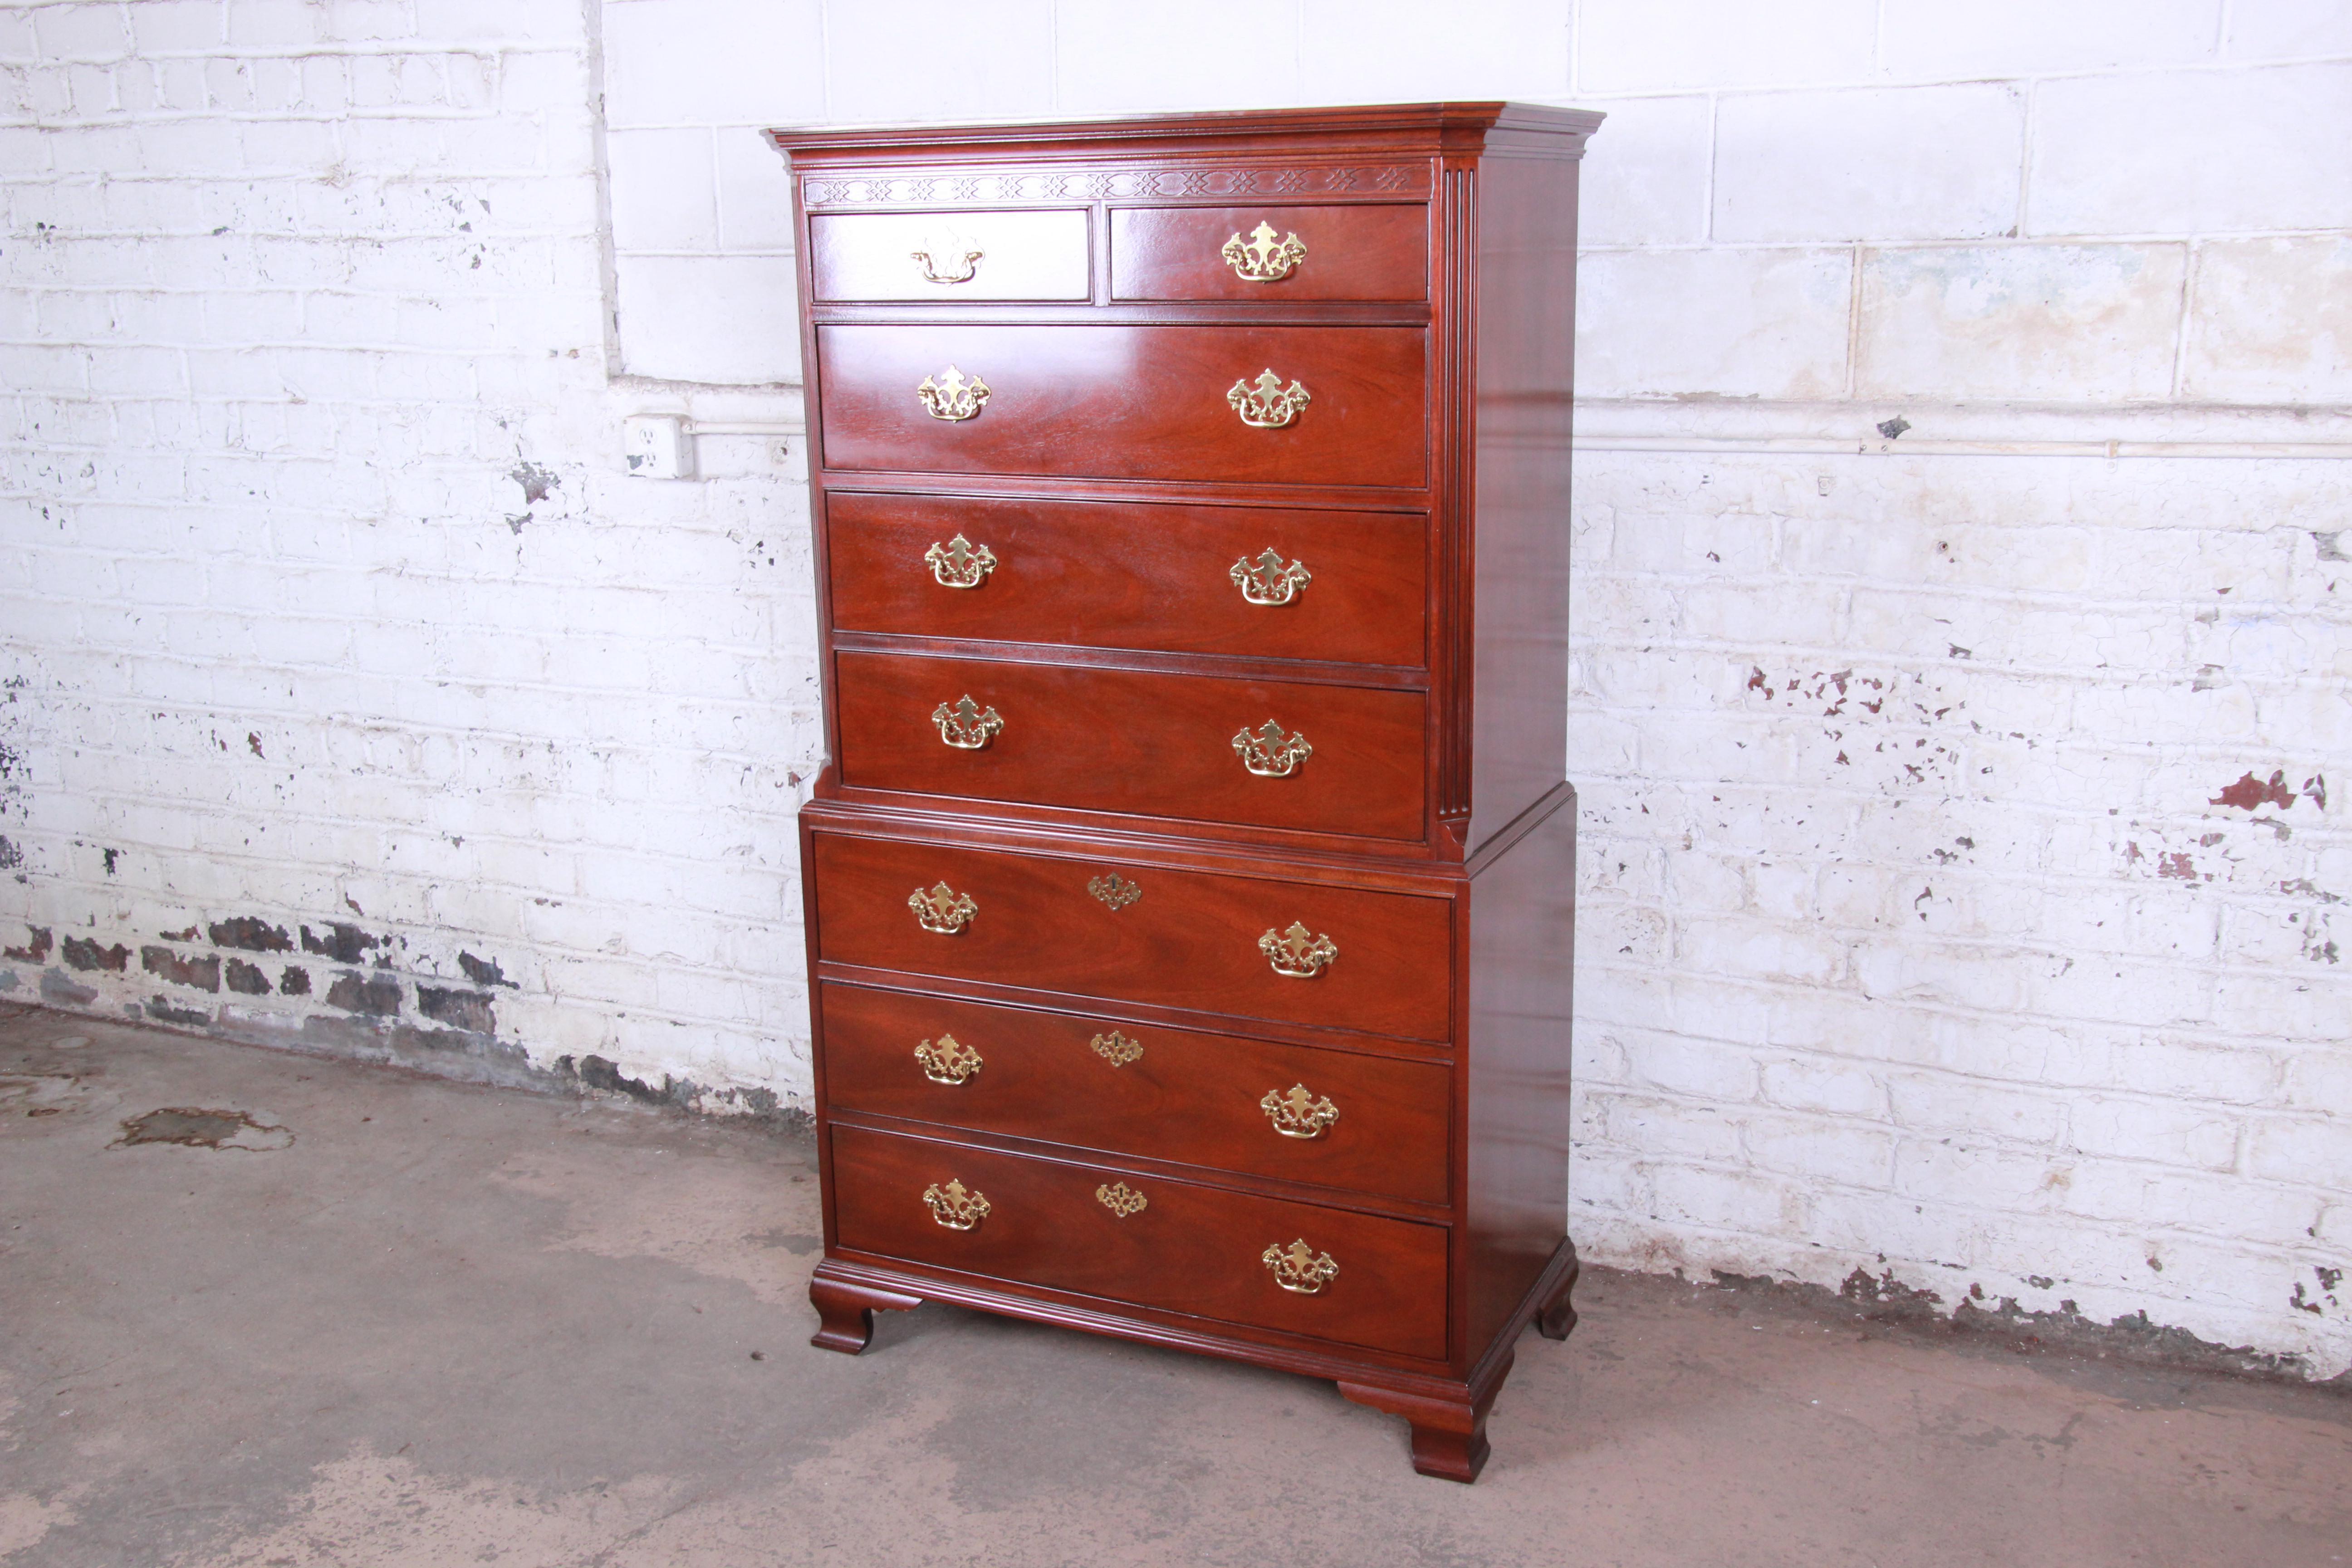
point(1190, 885)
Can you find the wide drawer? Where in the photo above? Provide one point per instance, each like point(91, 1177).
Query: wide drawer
point(1270, 253)
point(1143, 742)
point(966, 256)
point(1127, 402)
point(1295, 1113)
point(1174, 939)
point(1348, 586)
point(1174, 1245)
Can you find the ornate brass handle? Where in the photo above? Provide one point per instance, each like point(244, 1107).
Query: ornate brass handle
point(1271, 755)
point(945, 910)
point(1121, 1199)
point(967, 726)
point(1296, 1267)
point(952, 397)
point(968, 261)
point(1266, 581)
point(1268, 407)
point(954, 1206)
point(1298, 1114)
point(960, 563)
point(1297, 953)
point(1116, 1048)
point(1264, 259)
point(953, 1061)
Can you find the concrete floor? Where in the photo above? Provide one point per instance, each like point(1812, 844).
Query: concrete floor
point(429, 1324)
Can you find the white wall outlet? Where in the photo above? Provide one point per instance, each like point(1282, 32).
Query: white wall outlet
point(654, 446)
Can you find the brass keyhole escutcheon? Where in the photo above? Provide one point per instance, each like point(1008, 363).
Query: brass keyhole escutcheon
point(1116, 1048)
point(1121, 1199)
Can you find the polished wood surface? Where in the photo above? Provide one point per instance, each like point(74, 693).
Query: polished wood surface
point(1145, 744)
point(1353, 253)
point(1193, 1248)
point(1180, 1095)
point(1129, 575)
point(1426, 483)
point(1128, 402)
point(1191, 941)
point(1021, 256)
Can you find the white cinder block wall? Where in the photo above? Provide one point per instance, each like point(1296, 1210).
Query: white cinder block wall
point(1962, 529)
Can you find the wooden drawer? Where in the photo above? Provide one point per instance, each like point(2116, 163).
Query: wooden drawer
point(1189, 939)
point(1135, 1089)
point(1112, 574)
point(1135, 742)
point(966, 254)
point(1128, 402)
point(1193, 1249)
point(1350, 253)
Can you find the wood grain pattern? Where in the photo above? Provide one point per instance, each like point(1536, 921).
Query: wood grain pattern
point(1193, 1248)
point(1023, 255)
point(1190, 942)
point(1119, 402)
point(1185, 1096)
point(1144, 744)
point(1112, 575)
point(1353, 253)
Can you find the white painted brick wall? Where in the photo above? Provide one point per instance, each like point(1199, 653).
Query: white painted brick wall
point(1942, 919)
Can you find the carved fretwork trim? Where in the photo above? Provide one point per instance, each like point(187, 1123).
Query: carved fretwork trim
point(952, 187)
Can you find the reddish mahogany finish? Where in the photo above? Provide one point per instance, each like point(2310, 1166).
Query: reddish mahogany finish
point(1353, 253)
point(1179, 1095)
point(1193, 1249)
point(1147, 744)
point(1423, 489)
point(896, 256)
point(1128, 402)
point(1189, 940)
point(1129, 575)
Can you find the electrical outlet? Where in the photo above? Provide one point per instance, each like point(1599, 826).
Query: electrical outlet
point(654, 446)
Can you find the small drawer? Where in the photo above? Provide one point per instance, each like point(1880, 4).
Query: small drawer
point(1270, 253)
point(1338, 1119)
point(1237, 405)
point(1346, 586)
point(949, 257)
point(1295, 1269)
point(1249, 947)
point(1289, 754)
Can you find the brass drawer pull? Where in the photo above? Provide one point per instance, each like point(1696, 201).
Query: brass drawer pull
point(952, 397)
point(1269, 407)
point(968, 727)
point(953, 1061)
point(1121, 1199)
point(1264, 259)
point(1270, 754)
point(1114, 890)
point(1116, 1048)
point(1298, 1114)
point(961, 262)
point(1297, 953)
point(953, 1207)
point(945, 910)
point(1266, 581)
point(960, 563)
point(1296, 1267)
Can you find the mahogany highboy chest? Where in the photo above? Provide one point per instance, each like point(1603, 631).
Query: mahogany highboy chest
point(1189, 889)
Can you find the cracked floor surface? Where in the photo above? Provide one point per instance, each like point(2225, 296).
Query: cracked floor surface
point(422, 1323)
